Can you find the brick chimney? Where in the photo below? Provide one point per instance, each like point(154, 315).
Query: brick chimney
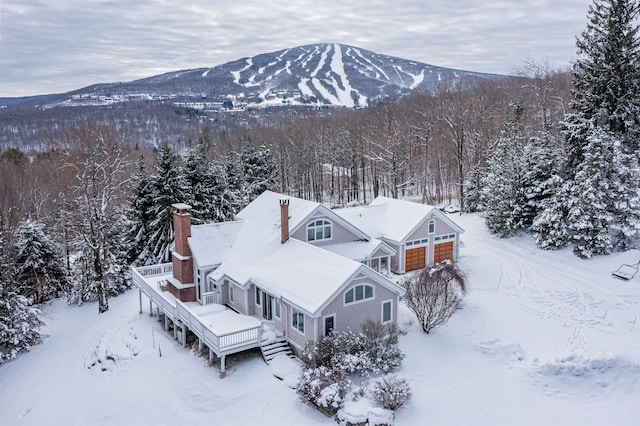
point(181, 256)
point(284, 221)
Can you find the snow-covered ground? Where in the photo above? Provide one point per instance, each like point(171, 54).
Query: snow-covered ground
point(544, 339)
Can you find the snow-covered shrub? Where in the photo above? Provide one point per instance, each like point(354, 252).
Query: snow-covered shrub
point(332, 349)
point(381, 346)
point(435, 294)
point(324, 387)
point(392, 393)
point(330, 362)
point(19, 324)
point(374, 350)
point(38, 264)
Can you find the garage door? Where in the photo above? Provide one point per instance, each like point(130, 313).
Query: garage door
point(415, 258)
point(442, 251)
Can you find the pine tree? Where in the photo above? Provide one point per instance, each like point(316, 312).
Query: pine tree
point(605, 121)
point(606, 78)
point(38, 265)
point(550, 225)
point(259, 172)
point(542, 158)
point(203, 185)
point(139, 216)
point(624, 198)
point(19, 322)
point(473, 189)
point(588, 215)
point(503, 193)
point(168, 187)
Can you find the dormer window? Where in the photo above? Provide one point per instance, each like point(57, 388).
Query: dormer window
point(319, 230)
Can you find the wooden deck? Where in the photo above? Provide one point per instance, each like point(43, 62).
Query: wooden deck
point(223, 331)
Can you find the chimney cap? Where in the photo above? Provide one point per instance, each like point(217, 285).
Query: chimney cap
point(181, 206)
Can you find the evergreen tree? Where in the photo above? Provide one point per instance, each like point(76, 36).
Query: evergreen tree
point(602, 138)
point(259, 173)
point(503, 194)
point(542, 157)
point(606, 78)
point(473, 189)
point(203, 186)
point(139, 216)
point(588, 216)
point(168, 187)
point(19, 322)
point(624, 198)
point(38, 266)
point(550, 226)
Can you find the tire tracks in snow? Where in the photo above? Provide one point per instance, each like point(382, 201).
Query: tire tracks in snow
point(550, 290)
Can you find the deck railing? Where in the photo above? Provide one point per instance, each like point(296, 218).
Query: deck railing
point(154, 270)
point(212, 297)
point(178, 311)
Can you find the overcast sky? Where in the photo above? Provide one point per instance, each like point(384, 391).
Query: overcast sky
point(53, 46)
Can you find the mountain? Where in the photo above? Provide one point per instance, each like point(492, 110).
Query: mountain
point(321, 74)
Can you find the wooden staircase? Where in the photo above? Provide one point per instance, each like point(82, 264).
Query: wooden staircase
point(275, 348)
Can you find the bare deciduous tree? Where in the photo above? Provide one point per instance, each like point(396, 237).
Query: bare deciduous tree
point(434, 294)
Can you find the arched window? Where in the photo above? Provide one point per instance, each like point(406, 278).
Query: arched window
point(358, 293)
point(319, 230)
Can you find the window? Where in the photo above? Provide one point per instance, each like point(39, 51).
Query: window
point(258, 296)
point(297, 320)
point(230, 291)
point(277, 303)
point(358, 293)
point(319, 230)
point(421, 242)
point(445, 237)
point(386, 311)
point(329, 324)
point(432, 226)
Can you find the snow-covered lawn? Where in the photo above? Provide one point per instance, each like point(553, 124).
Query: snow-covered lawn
point(544, 339)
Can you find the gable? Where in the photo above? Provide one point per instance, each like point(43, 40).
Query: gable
point(443, 225)
point(362, 275)
point(342, 230)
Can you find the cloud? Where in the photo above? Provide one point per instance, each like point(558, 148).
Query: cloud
point(49, 46)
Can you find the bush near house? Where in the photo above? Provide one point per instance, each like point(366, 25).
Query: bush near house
point(434, 294)
point(331, 362)
point(392, 393)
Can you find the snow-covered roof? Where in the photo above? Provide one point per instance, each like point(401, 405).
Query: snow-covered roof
point(389, 218)
point(209, 242)
point(302, 273)
point(358, 250)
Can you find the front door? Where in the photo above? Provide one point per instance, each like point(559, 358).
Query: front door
point(267, 303)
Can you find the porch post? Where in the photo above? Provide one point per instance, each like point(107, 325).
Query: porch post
point(184, 335)
point(222, 370)
point(150, 307)
point(388, 266)
point(140, 299)
point(175, 329)
point(166, 323)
